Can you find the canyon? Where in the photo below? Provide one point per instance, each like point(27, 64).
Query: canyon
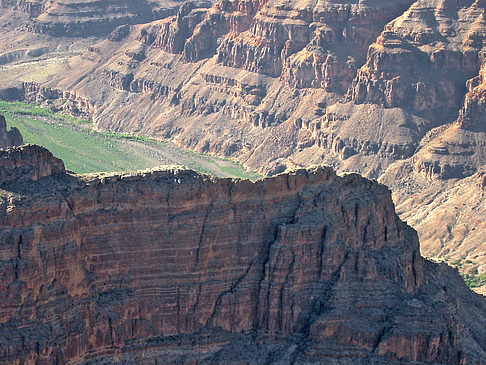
point(171, 266)
point(391, 90)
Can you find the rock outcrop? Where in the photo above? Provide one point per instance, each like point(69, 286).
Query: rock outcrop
point(423, 59)
point(170, 265)
point(9, 138)
point(440, 189)
point(452, 222)
point(28, 163)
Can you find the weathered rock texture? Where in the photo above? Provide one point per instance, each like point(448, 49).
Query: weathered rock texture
point(173, 266)
point(88, 18)
point(423, 59)
point(361, 85)
point(452, 224)
point(9, 138)
point(265, 76)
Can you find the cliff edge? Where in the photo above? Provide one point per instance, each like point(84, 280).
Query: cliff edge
point(174, 266)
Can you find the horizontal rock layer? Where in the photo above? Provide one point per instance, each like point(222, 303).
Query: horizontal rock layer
point(360, 85)
point(88, 18)
point(171, 265)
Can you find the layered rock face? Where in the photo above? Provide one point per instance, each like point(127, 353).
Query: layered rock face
point(88, 18)
point(423, 58)
point(247, 66)
point(173, 266)
point(367, 86)
point(452, 223)
point(447, 172)
point(9, 138)
point(457, 150)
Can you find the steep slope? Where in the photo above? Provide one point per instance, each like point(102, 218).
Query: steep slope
point(266, 76)
point(176, 266)
point(68, 18)
point(452, 219)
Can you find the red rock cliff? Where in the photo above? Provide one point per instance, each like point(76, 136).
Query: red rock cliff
point(174, 266)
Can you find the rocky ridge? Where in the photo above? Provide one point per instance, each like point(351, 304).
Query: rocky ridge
point(88, 18)
point(170, 264)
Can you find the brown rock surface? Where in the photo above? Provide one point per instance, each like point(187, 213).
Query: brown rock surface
point(450, 216)
point(88, 18)
point(9, 138)
point(178, 267)
point(423, 58)
point(440, 190)
point(364, 86)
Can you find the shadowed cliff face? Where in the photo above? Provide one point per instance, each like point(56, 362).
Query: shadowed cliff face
point(9, 138)
point(182, 267)
point(383, 88)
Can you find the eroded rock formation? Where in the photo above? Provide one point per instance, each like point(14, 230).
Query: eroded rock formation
point(171, 265)
point(9, 138)
point(88, 18)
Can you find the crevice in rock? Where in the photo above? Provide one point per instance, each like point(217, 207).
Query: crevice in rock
point(266, 258)
point(284, 284)
point(321, 250)
point(226, 292)
point(201, 236)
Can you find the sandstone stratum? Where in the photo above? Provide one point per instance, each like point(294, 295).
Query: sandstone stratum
point(393, 90)
point(171, 266)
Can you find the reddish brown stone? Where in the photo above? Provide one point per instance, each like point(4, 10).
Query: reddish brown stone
point(177, 267)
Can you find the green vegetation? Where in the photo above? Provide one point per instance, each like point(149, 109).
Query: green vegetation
point(85, 150)
point(81, 151)
point(457, 263)
point(24, 109)
point(475, 281)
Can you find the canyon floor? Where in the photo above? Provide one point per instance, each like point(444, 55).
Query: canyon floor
point(85, 150)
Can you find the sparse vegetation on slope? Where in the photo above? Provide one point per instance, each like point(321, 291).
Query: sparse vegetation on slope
point(475, 281)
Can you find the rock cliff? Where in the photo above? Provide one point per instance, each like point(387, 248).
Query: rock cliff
point(9, 138)
point(365, 86)
point(170, 265)
point(440, 189)
point(423, 58)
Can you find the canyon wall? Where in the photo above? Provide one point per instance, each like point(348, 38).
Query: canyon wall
point(88, 18)
point(173, 266)
point(392, 90)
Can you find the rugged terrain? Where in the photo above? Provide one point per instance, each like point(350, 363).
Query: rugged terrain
point(9, 138)
point(173, 266)
point(393, 90)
